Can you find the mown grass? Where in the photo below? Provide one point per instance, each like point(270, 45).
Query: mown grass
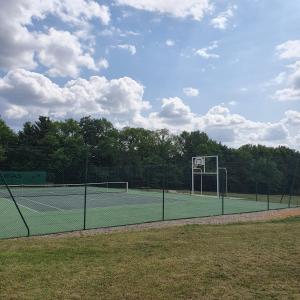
point(241, 261)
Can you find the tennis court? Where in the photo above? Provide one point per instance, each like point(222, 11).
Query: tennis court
point(60, 208)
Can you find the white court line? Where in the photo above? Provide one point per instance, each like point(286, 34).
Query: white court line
point(23, 206)
point(42, 203)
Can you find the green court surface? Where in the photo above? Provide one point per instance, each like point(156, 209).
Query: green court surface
point(59, 210)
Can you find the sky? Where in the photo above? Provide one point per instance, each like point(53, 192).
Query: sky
point(226, 67)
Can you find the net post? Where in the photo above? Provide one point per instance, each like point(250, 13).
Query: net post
point(16, 204)
point(126, 186)
point(268, 197)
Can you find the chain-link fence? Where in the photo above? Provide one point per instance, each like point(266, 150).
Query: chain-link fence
point(74, 190)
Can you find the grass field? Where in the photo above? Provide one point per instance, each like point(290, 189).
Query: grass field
point(258, 260)
point(53, 213)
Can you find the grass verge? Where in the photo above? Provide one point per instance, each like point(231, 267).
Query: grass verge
point(241, 261)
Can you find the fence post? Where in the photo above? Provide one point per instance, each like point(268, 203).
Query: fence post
point(85, 187)
point(223, 203)
point(256, 190)
point(163, 200)
point(293, 182)
point(16, 204)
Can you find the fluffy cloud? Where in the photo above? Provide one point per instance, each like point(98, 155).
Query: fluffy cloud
point(222, 19)
point(63, 59)
point(103, 64)
point(274, 132)
point(191, 92)
point(289, 49)
point(16, 112)
point(20, 47)
point(175, 112)
point(288, 81)
point(206, 52)
point(195, 9)
point(222, 125)
point(32, 94)
point(292, 117)
point(25, 95)
point(291, 84)
point(79, 11)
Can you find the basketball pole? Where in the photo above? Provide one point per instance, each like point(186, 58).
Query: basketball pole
point(201, 184)
point(192, 176)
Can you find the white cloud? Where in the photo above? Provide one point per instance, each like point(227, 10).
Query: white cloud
point(25, 95)
point(170, 43)
point(292, 117)
point(130, 48)
point(103, 64)
point(15, 112)
point(195, 9)
point(290, 82)
point(112, 30)
point(232, 103)
point(33, 94)
point(289, 49)
point(175, 112)
point(222, 19)
point(206, 52)
point(278, 80)
point(288, 94)
point(20, 44)
point(63, 59)
point(222, 125)
point(191, 92)
point(79, 11)
point(274, 132)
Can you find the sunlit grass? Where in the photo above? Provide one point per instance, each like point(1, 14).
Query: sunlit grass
point(196, 261)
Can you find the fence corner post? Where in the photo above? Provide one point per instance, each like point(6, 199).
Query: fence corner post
point(16, 204)
point(163, 198)
point(85, 186)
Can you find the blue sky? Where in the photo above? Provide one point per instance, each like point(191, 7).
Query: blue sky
point(229, 68)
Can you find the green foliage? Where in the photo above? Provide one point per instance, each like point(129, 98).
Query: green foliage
point(7, 136)
point(141, 156)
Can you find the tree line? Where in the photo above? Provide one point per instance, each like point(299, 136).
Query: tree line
point(146, 158)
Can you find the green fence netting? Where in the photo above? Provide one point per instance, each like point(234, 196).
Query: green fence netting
point(81, 193)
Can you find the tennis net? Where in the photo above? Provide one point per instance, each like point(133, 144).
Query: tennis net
point(56, 190)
